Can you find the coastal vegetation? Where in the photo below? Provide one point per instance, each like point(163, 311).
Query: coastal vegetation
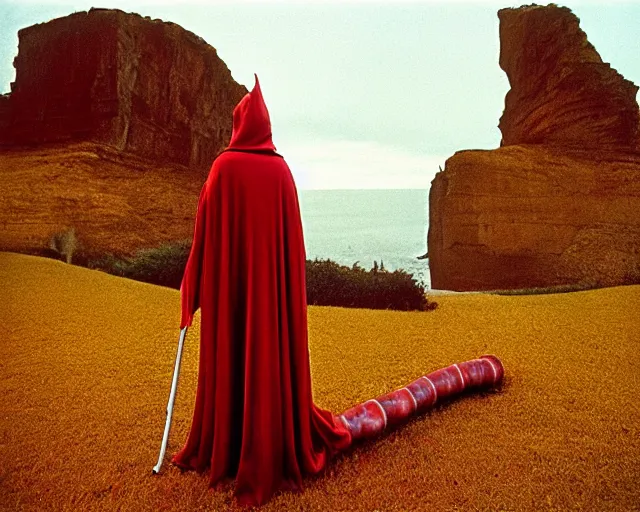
point(331, 284)
point(328, 283)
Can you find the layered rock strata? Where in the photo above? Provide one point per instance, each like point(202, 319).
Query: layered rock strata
point(115, 203)
point(559, 202)
point(561, 91)
point(142, 86)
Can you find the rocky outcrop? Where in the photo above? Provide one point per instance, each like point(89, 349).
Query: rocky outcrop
point(535, 216)
point(142, 86)
point(559, 202)
point(561, 91)
point(113, 201)
point(109, 129)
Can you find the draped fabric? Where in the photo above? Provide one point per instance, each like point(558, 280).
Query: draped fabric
point(254, 418)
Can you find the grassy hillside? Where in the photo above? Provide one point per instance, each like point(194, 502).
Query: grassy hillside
point(86, 361)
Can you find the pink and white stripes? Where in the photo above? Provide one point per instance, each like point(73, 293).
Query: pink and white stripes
point(373, 416)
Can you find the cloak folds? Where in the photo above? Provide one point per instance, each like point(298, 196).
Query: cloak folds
point(254, 417)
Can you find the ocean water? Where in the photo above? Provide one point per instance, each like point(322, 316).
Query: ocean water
point(349, 226)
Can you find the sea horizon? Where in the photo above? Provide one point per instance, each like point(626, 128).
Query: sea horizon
point(349, 226)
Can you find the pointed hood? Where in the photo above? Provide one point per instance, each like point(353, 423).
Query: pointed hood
point(251, 123)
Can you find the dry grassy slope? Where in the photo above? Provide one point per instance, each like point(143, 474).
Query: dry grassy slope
point(115, 202)
point(86, 362)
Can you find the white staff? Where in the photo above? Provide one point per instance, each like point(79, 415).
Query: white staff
point(172, 397)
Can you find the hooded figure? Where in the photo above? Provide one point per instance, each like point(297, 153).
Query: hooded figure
point(254, 417)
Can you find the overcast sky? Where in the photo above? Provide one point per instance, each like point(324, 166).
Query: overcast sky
point(361, 94)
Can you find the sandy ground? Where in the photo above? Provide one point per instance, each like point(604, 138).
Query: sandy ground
point(86, 361)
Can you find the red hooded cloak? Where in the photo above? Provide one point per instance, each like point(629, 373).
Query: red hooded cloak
point(254, 416)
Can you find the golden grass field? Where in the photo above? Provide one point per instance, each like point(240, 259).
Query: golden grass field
point(86, 361)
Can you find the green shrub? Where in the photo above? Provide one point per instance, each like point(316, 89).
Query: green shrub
point(163, 265)
point(328, 284)
point(331, 284)
point(112, 265)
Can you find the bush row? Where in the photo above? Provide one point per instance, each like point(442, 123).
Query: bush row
point(331, 284)
point(328, 283)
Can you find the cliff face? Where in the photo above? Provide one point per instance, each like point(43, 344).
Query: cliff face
point(561, 91)
point(535, 216)
point(115, 202)
point(559, 203)
point(146, 87)
point(110, 127)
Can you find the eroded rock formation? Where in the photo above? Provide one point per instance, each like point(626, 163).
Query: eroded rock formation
point(561, 91)
point(559, 203)
point(142, 86)
point(111, 126)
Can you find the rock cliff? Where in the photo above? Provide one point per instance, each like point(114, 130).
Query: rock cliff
point(115, 202)
point(110, 127)
point(142, 86)
point(559, 202)
point(561, 91)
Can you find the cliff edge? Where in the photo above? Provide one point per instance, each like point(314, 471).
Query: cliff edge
point(109, 129)
point(142, 86)
point(559, 202)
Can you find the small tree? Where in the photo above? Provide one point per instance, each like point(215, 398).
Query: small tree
point(64, 243)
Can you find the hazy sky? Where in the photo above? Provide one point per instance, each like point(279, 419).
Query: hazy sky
point(361, 94)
